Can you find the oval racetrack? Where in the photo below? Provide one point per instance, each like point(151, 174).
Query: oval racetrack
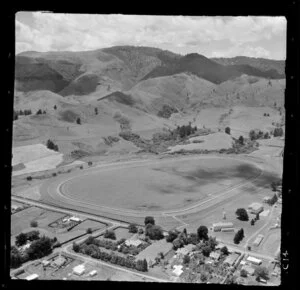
point(158, 187)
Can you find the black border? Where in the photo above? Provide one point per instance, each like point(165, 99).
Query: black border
point(289, 9)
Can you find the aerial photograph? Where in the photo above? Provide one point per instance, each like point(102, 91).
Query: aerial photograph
point(148, 148)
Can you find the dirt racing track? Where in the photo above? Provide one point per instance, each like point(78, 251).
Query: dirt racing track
point(120, 188)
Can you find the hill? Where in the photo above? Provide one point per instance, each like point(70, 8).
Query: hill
point(262, 64)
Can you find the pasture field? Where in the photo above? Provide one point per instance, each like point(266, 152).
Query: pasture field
point(160, 186)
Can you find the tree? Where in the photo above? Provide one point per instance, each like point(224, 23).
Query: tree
point(206, 250)
point(257, 216)
point(261, 273)
point(227, 130)
point(110, 234)
point(202, 232)
point(186, 259)
point(182, 131)
point(238, 236)
point(132, 228)
point(193, 239)
point(154, 232)
point(21, 239)
point(242, 214)
point(40, 248)
point(252, 222)
point(252, 135)
point(89, 231)
point(96, 111)
point(278, 132)
point(78, 121)
point(34, 224)
point(212, 243)
point(140, 231)
point(54, 107)
point(241, 140)
point(39, 112)
point(33, 235)
point(15, 258)
point(149, 220)
point(172, 235)
point(243, 273)
point(76, 247)
point(266, 135)
point(224, 250)
point(50, 145)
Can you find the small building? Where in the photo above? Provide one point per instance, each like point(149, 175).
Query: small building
point(177, 270)
point(254, 261)
point(219, 226)
point(45, 263)
point(25, 247)
point(14, 207)
point(255, 208)
point(79, 270)
point(250, 271)
point(214, 255)
point(93, 273)
point(32, 277)
point(74, 219)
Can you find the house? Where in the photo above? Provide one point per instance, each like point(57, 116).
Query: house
point(219, 226)
point(177, 270)
point(185, 250)
point(250, 271)
point(214, 255)
point(32, 277)
point(60, 261)
point(254, 261)
point(230, 259)
point(79, 270)
point(131, 242)
point(93, 273)
point(255, 208)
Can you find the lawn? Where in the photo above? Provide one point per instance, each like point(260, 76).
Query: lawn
point(122, 233)
point(94, 225)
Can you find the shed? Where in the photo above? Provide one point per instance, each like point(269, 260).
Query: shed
point(219, 226)
point(93, 273)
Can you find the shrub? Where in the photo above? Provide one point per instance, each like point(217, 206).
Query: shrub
point(29, 178)
point(132, 228)
point(227, 130)
point(110, 234)
point(140, 231)
point(149, 220)
point(54, 174)
point(89, 231)
point(172, 235)
point(33, 224)
point(78, 121)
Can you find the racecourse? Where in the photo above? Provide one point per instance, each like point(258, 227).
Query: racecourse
point(191, 184)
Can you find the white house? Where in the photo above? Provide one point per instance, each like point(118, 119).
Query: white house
point(177, 270)
point(93, 273)
point(79, 270)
